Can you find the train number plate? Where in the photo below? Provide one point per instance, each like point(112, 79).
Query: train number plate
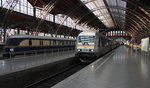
point(85, 50)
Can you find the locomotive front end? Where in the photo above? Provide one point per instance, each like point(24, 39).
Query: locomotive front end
point(85, 47)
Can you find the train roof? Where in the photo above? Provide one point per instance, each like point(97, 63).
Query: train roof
point(38, 37)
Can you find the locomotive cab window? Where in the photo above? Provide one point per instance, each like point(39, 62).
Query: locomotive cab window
point(88, 39)
point(10, 42)
point(14, 41)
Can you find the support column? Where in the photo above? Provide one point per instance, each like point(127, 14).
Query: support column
point(121, 33)
point(4, 39)
point(117, 33)
point(1, 33)
point(1, 3)
point(27, 31)
point(18, 31)
point(54, 18)
point(34, 12)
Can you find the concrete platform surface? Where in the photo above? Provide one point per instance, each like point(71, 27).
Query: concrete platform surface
point(121, 69)
point(21, 63)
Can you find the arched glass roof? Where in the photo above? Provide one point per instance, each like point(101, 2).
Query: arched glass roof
point(108, 11)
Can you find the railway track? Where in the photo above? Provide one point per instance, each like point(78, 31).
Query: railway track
point(51, 81)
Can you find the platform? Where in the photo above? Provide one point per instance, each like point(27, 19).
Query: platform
point(22, 63)
point(121, 69)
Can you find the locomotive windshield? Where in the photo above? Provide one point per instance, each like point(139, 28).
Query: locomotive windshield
point(9, 42)
point(12, 42)
point(88, 39)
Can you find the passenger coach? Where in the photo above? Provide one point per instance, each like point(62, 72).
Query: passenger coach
point(19, 43)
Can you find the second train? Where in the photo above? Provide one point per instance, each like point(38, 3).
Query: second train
point(90, 45)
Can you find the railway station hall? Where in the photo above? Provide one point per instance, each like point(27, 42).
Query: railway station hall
point(74, 44)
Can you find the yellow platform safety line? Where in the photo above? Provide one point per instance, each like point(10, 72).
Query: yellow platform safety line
point(85, 45)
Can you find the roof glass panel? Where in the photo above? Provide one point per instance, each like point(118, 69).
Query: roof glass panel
point(100, 10)
point(101, 17)
point(116, 9)
point(91, 5)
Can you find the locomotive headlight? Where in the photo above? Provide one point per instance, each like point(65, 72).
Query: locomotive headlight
point(78, 49)
point(11, 49)
point(92, 50)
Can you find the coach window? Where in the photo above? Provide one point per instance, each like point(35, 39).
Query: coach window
point(103, 42)
point(56, 43)
point(41, 42)
point(24, 43)
point(52, 43)
point(66, 42)
point(99, 42)
point(70, 42)
point(46, 43)
point(74, 43)
point(60, 43)
point(35, 42)
point(63, 43)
